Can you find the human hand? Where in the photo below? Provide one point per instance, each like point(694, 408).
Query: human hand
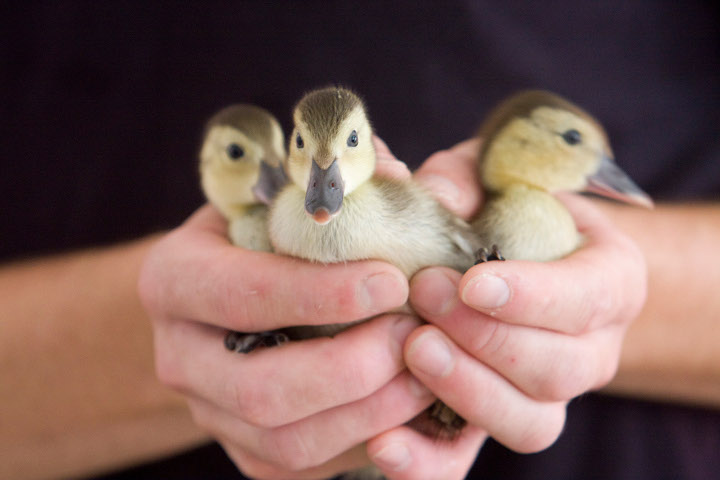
point(296, 411)
point(508, 344)
point(402, 453)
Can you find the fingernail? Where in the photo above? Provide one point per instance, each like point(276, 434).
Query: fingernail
point(395, 457)
point(382, 291)
point(442, 188)
point(486, 292)
point(431, 355)
point(435, 294)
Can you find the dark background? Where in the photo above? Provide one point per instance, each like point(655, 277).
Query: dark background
point(103, 103)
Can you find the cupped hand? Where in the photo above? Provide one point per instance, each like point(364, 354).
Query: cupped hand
point(508, 344)
point(300, 410)
point(402, 453)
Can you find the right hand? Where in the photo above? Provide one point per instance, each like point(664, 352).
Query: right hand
point(301, 410)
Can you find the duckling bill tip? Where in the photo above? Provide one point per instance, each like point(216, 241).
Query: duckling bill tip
point(321, 216)
point(612, 182)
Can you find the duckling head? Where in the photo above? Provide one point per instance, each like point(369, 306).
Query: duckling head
point(331, 151)
point(240, 142)
point(543, 141)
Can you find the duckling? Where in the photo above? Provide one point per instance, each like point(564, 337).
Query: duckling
point(334, 210)
point(241, 170)
point(535, 144)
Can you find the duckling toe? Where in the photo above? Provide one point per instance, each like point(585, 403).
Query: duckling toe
point(247, 342)
point(484, 255)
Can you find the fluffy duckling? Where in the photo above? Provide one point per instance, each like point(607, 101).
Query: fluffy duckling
point(241, 170)
point(535, 144)
point(333, 210)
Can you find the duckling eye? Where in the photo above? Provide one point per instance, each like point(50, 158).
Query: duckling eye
point(352, 140)
point(299, 141)
point(572, 137)
point(235, 151)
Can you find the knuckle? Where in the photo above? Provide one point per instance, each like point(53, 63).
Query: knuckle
point(168, 371)
point(567, 383)
point(360, 381)
point(441, 156)
point(597, 305)
point(355, 375)
point(606, 374)
point(542, 433)
point(289, 449)
point(607, 369)
point(253, 405)
point(492, 339)
point(204, 418)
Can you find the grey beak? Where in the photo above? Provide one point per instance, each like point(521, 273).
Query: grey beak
point(269, 183)
point(610, 181)
point(324, 195)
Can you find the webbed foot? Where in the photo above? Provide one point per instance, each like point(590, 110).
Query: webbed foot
point(247, 342)
point(484, 255)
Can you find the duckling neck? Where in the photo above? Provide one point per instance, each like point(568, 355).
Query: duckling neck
point(528, 223)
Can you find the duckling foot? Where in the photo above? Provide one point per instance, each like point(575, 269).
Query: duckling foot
point(438, 422)
point(484, 255)
point(247, 342)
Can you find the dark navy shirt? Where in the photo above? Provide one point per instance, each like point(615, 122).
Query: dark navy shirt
point(103, 105)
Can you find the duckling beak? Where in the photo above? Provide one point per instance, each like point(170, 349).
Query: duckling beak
point(270, 181)
point(324, 195)
point(610, 181)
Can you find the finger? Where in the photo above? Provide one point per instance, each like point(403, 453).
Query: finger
point(382, 149)
point(387, 165)
point(195, 273)
point(404, 454)
point(252, 467)
point(545, 365)
point(481, 395)
point(317, 439)
point(451, 175)
point(602, 282)
point(276, 386)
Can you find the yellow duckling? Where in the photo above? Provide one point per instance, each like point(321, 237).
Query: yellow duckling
point(241, 170)
point(535, 144)
point(333, 210)
point(240, 173)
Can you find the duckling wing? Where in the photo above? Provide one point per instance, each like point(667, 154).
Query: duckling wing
point(527, 224)
point(419, 230)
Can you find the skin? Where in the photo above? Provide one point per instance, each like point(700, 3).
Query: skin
point(79, 393)
point(140, 419)
point(316, 429)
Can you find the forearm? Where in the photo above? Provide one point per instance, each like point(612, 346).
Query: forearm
point(672, 351)
point(78, 390)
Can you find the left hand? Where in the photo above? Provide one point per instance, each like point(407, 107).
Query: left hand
point(508, 344)
point(402, 453)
